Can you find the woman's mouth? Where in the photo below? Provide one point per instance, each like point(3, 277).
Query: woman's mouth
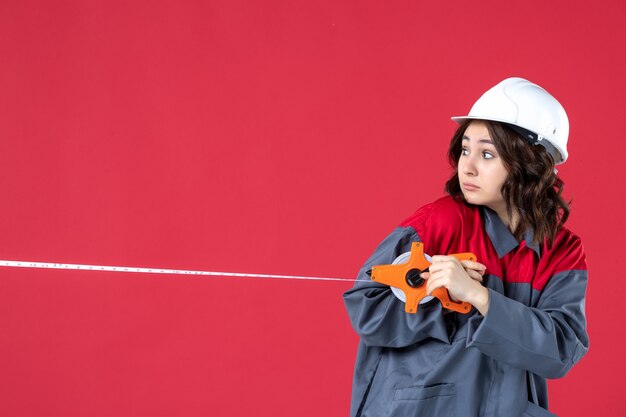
point(468, 186)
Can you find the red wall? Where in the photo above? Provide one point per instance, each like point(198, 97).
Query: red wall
point(270, 137)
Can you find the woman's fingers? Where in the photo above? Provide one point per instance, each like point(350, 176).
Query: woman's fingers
point(444, 258)
point(432, 284)
point(476, 266)
point(444, 262)
point(475, 275)
point(458, 277)
point(448, 272)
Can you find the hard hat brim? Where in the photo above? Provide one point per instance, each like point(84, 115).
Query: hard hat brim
point(531, 137)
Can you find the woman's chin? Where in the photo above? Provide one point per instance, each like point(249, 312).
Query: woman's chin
point(472, 198)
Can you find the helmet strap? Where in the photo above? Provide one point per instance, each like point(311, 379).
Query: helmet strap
point(536, 139)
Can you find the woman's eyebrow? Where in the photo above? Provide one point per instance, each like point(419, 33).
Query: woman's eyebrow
point(489, 141)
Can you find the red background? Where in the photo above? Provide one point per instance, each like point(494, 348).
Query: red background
point(270, 137)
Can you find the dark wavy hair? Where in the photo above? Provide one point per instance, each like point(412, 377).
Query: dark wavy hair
point(532, 186)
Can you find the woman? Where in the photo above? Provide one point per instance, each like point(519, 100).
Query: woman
point(527, 290)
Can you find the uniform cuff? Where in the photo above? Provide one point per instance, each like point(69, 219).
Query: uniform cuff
point(489, 329)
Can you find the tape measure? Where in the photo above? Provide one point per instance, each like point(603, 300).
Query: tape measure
point(137, 270)
point(392, 275)
point(403, 275)
point(404, 258)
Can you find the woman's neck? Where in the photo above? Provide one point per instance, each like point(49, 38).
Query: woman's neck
point(510, 222)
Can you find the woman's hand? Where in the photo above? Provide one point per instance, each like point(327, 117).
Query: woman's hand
point(462, 279)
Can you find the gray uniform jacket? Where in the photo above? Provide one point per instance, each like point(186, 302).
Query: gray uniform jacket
point(440, 363)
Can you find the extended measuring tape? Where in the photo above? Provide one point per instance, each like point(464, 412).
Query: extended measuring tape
point(132, 269)
point(402, 276)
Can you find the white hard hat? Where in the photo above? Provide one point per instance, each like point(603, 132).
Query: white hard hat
point(530, 110)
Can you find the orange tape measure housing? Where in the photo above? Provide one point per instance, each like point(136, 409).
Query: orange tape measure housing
point(405, 276)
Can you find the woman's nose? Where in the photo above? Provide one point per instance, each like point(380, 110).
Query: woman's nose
point(468, 167)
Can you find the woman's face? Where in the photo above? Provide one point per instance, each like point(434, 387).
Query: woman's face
point(480, 169)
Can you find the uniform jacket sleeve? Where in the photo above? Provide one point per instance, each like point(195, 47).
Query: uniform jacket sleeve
point(378, 316)
point(547, 338)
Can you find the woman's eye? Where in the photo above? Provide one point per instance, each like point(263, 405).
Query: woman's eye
point(488, 155)
point(464, 151)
